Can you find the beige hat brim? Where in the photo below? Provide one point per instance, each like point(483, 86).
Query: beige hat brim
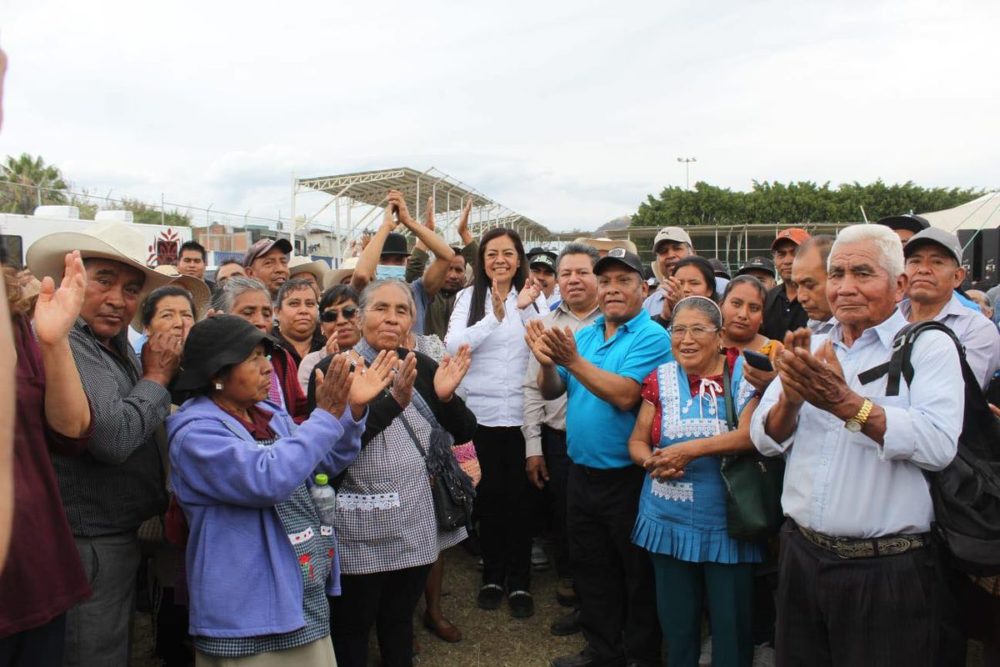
point(200, 293)
point(47, 257)
point(317, 267)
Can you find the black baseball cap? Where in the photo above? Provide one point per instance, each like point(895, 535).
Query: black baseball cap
point(719, 268)
point(213, 344)
point(619, 256)
point(542, 259)
point(914, 223)
point(757, 264)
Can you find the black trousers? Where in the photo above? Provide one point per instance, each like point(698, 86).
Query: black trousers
point(557, 461)
point(385, 599)
point(38, 646)
point(504, 508)
point(614, 577)
point(864, 611)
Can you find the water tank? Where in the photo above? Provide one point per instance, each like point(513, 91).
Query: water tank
point(114, 216)
point(66, 212)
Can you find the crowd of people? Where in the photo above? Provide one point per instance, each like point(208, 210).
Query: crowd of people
point(186, 437)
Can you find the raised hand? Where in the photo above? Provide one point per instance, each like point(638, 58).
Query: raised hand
point(57, 309)
point(499, 309)
point(161, 357)
point(561, 346)
point(402, 384)
point(371, 381)
point(450, 372)
point(463, 222)
point(333, 388)
point(534, 336)
point(332, 347)
point(398, 202)
point(429, 214)
point(528, 293)
point(671, 289)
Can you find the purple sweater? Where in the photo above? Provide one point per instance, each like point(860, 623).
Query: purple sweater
point(243, 575)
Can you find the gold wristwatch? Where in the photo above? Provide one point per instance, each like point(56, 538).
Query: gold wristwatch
point(857, 422)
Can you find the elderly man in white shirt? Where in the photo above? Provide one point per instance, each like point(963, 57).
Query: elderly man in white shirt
point(858, 583)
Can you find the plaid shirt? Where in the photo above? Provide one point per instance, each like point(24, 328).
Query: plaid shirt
point(118, 483)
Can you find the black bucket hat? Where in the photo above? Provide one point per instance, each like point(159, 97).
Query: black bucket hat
point(214, 344)
point(395, 244)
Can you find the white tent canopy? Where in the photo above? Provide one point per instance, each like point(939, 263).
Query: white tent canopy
point(980, 213)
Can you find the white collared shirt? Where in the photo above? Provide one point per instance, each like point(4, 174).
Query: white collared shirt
point(537, 410)
point(492, 386)
point(844, 484)
point(978, 335)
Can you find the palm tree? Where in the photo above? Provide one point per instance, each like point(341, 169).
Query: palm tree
point(27, 182)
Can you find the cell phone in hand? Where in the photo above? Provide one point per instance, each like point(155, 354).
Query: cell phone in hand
point(759, 361)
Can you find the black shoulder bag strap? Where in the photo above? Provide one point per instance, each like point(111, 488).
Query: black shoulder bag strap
point(899, 364)
point(727, 396)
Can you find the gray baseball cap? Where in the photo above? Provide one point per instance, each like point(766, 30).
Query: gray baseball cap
point(934, 235)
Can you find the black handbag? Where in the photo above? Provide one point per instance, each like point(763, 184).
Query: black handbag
point(753, 484)
point(452, 505)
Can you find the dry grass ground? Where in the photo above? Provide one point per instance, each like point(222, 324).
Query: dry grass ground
point(491, 638)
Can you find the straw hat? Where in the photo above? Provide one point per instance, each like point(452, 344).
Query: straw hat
point(116, 241)
point(336, 275)
point(298, 264)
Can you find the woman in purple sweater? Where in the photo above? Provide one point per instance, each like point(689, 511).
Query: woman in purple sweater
point(260, 562)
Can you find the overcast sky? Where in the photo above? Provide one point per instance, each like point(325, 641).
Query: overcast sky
point(569, 112)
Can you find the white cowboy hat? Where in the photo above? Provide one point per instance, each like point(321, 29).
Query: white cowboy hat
point(200, 293)
point(298, 264)
point(334, 277)
point(116, 241)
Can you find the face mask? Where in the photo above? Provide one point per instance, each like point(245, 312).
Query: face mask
point(389, 272)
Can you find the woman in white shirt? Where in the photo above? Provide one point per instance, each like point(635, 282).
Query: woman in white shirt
point(489, 316)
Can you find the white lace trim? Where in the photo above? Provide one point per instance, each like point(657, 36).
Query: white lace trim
point(678, 491)
point(304, 536)
point(673, 424)
point(367, 502)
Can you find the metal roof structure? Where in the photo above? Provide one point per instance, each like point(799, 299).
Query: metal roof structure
point(369, 188)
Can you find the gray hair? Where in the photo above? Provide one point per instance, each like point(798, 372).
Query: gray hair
point(579, 249)
point(821, 242)
point(890, 248)
point(703, 305)
point(366, 294)
point(234, 288)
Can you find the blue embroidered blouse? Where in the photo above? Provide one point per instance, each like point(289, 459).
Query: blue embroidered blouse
point(686, 517)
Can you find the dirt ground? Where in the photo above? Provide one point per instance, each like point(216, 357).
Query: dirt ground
point(491, 638)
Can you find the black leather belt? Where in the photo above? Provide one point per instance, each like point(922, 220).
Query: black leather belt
point(846, 547)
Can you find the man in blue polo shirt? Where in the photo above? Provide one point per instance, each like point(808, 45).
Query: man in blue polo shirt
point(602, 369)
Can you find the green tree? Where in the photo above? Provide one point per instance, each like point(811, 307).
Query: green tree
point(27, 182)
point(796, 202)
point(145, 214)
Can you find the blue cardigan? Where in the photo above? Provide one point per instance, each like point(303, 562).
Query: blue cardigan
point(243, 576)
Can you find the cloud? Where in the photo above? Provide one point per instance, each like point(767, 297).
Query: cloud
point(567, 112)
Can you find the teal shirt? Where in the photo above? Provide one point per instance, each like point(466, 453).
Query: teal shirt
point(596, 431)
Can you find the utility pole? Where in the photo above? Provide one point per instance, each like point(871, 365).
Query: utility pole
point(687, 170)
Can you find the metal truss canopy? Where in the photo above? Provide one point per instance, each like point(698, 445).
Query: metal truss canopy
point(450, 194)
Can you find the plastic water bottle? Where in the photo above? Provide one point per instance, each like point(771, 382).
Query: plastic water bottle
point(325, 499)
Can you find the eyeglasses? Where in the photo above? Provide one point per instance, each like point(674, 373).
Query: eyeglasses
point(698, 333)
point(348, 312)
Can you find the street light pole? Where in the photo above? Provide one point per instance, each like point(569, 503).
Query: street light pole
point(687, 170)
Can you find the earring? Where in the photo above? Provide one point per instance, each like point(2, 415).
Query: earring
point(218, 386)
